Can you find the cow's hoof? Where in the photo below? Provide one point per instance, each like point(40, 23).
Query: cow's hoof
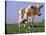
point(24, 25)
point(29, 27)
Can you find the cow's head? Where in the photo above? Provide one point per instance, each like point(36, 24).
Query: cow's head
point(37, 9)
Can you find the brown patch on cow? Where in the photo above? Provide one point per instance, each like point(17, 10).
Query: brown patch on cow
point(33, 11)
point(22, 12)
point(30, 12)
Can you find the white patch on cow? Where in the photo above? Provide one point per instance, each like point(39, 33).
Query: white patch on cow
point(30, 19)
point(37, 6)
point(19, 15)
point(20, 19)
point(20, 11)
point(26, 10)
point(25, 15)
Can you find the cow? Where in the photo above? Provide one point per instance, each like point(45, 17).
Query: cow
point(28, 13)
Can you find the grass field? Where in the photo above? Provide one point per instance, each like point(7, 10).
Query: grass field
point(14, 28)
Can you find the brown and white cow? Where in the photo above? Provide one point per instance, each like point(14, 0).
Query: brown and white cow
point(27, 14)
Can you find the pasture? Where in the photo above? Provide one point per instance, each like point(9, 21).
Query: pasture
point(14, 28)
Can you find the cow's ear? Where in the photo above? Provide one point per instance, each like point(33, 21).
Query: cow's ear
point(41, 6)
point(32, 7)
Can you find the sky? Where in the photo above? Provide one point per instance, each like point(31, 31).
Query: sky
point(12, 11)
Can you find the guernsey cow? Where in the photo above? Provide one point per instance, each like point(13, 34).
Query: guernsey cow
point(27, 14)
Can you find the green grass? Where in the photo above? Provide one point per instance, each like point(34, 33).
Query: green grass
point(14, 28)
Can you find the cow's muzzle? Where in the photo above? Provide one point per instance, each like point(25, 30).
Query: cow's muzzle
point(39, 14)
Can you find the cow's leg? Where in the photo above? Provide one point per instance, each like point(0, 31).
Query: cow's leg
point(19, 20)
point(33, 19)
point(20, 17)
point(24, 22)
point(30, 21)
point(25, 19)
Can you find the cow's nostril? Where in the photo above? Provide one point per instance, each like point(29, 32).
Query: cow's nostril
point(39, 15)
